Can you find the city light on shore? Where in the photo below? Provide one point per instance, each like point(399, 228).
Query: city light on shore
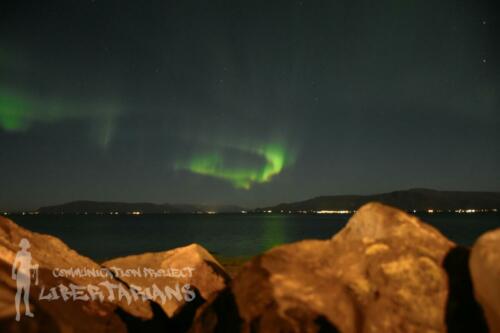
point(334, 212)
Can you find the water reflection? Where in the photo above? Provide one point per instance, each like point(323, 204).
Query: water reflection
point(273, 231)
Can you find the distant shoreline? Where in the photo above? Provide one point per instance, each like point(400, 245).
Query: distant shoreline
point(418, 200)
point(417, 212)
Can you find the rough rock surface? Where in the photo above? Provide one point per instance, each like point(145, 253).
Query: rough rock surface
point(191, 266)
point(57, 315)
point(485, 270)
point(382, 273)
point(391, 263)
point(386, 271)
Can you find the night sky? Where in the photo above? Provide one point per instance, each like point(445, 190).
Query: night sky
point(245, 102)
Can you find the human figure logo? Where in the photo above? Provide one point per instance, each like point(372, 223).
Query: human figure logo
point(22, 270)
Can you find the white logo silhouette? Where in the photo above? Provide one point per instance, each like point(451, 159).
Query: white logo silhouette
point(21, 272)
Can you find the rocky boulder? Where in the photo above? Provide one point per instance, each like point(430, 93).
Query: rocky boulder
point(382, 273)
point(391, 263)
point(485, 270)
point(174, 278)
point(61, 310)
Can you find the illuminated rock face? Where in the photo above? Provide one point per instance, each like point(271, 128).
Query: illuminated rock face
point(391, 262)
point(190, 265)
point(386, 271)
point(382, 273)
point(55, 315)
point(485, 271)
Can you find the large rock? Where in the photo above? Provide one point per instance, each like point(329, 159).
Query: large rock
point(178, 271)
point(392, 264)
point(57, 315)
point(485, 270)
point(382, 273)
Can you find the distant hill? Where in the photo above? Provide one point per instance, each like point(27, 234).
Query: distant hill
point(414, 199)
point(93, 207)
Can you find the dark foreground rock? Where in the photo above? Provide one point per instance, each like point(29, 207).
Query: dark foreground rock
point(382, 273)
point(485, 271)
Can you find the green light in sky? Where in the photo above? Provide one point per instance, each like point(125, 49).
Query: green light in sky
point(19, 113)
point(13, 115)
point(217, 165)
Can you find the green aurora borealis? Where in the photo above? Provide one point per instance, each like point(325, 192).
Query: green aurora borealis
point(19, 112)
point(15, 112)
point(245, 103)
point(215, 164)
